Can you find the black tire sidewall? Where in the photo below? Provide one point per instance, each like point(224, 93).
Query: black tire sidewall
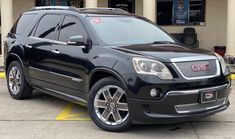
point(102, 83)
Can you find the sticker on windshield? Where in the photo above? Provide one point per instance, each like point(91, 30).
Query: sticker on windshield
point(96, 20)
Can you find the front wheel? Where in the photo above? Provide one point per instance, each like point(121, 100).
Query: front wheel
point(108, 107)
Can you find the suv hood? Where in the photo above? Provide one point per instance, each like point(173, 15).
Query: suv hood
point(163, 52)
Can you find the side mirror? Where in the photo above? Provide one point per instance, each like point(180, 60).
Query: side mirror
point(76, 40)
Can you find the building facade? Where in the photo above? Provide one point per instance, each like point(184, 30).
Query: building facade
point(213, 20)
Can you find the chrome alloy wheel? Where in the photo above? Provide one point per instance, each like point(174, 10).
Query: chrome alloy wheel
point(110, 105)
point(14, 80)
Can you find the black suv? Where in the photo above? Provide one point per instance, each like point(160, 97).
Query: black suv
point(122, 66)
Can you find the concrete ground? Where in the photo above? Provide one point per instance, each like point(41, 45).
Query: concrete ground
point(39, 117)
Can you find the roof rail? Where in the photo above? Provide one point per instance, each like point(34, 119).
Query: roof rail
point(103, 10)
point(85, 10)
point(53, 8)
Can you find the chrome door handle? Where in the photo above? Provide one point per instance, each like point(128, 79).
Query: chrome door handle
point(55, 51)
point(28, 46)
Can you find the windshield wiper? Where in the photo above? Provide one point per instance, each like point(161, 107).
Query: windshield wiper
point(163, 42)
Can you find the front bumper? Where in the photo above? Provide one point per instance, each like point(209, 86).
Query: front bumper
point(178, 106)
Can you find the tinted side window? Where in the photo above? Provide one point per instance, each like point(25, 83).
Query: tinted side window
point(47, 26)
point(23, 23)
point(71, 26)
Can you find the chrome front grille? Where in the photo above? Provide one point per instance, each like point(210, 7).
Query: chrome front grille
point(197, 107)
point(186, 70)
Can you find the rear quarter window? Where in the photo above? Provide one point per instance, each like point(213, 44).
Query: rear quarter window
point(23, 23)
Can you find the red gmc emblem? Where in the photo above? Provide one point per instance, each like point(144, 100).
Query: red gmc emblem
point(200, 67)
point(209, 95)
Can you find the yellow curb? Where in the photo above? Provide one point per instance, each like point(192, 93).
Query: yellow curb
point(67, 115)
point(233, 76)
point(2, 75)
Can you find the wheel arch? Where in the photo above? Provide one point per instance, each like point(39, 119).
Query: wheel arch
point(12, 57)
point(100, 73)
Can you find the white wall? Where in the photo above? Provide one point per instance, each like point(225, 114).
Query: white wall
point(139, 7)
point(102, 3)
point(20, 6)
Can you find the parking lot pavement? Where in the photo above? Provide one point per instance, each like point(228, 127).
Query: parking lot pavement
point(44, 116)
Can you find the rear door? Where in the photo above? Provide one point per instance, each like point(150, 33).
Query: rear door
point(69, 63)
point(39, 46)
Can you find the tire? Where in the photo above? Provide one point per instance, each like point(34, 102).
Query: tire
point(16, 83)
point(115, 105)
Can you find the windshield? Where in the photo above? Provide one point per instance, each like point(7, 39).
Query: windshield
point(127, 30)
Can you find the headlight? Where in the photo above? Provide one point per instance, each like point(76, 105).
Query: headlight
point(151, 67)
point(222, 62)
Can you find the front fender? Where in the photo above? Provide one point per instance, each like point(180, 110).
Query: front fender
point(110, 71)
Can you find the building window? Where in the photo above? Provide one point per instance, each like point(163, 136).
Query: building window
point(127, 5)
point(75, 3)
point(197, 11)
point(181, 12)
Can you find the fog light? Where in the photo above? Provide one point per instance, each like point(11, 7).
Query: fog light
point(154, 92)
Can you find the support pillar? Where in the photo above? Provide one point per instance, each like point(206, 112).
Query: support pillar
point(91, 3)
point(231, 28)
point(6, 22)
point(149, 9)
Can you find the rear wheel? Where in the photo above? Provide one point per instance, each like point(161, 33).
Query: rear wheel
point(108, 106)
point(17, 85)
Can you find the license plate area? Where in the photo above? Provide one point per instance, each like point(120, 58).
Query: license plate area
point(208, 96)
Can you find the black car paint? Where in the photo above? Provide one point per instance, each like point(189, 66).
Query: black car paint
point(69, 74)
